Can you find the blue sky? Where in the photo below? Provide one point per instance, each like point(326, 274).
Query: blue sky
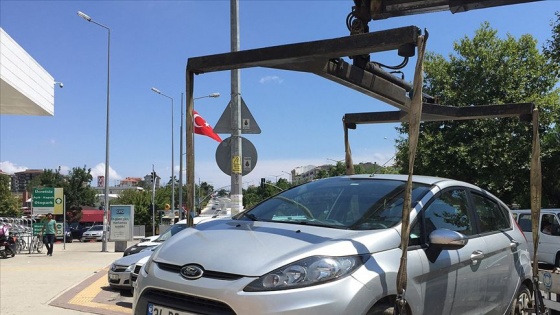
point(299, 114)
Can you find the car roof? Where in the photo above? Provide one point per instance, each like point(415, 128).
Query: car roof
point(422, 179)
point(529, 210)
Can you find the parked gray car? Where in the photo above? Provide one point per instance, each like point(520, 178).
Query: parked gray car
point(119, 275)
point(332, 246)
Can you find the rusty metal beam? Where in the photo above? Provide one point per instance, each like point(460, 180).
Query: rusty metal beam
point(383, 9)
point(432, 112)
point(285, 56)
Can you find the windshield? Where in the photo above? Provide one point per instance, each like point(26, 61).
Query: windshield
point(96, 228)
point(174, 229)
point(342, 202)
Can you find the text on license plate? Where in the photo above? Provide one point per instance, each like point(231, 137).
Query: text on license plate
point(114, 277)
point(161, 310)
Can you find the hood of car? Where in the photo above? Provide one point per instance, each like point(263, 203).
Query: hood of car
point(132, 259)
point(254, 248)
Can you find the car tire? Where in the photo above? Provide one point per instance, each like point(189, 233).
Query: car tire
point(522, 304)
point(557, 260)
point(382, 309)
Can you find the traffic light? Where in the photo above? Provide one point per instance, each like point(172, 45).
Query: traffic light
point(262, 183)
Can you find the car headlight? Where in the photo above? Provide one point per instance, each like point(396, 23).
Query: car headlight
point(307, 272)
point(113, 266)
point(129, 268)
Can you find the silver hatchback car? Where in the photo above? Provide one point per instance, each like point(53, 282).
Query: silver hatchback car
point(332, 246)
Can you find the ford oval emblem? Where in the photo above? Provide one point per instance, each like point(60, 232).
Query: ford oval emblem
point(191, 272)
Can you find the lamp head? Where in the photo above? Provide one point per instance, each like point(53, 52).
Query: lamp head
point(214, 95)
point(84, 16)
point(156, 90)
point(60, 84)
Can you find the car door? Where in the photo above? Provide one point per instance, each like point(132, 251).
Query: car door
point(501, 259)
point(548, 244)
point(452, 281)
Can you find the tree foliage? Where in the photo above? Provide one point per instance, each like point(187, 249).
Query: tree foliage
point(77, 189)
point(9, 204)
point(493, 153)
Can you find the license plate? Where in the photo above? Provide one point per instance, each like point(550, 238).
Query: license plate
point(114, 277)
point(162, 310)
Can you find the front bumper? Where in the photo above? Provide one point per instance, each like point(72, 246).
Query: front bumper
point(120, 279)
point(226, 296)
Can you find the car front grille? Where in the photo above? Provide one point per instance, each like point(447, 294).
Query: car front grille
point(119, 268)
point(207, 273)
point(180, 301)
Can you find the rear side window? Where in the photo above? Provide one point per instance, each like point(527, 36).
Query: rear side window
point(492, 217)
point(524, 222)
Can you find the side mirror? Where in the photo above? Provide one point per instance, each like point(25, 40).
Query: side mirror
point(447, 239)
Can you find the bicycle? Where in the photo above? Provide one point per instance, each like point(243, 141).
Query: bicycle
point(36, 244)
point(20, 242)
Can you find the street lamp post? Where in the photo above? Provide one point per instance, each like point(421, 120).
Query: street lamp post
point(106, 182)
point(172, 157)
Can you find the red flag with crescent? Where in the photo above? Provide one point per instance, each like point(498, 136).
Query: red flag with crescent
point(201, 127)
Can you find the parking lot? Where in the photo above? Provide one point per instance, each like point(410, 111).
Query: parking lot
point(72, 281)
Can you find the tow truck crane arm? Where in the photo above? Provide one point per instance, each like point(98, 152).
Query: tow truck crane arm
point(383, 9)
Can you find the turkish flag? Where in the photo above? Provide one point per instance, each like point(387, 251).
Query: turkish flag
point(201, 127)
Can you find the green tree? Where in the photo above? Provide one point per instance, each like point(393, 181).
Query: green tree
point(9, 204)
point(492, 153)
point(78, 190)
point(49, 178)
point(551, 152)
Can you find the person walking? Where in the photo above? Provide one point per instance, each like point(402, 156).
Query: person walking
point(50, 230)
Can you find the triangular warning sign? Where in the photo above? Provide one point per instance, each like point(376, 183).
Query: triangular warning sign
point(248, 123)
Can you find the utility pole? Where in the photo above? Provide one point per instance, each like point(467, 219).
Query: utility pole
point(236, 193)
point(154, 176)
point(181, 213)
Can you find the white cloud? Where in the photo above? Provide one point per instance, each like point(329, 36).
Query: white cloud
point(11, 168)
point(99, 170)
point(271, 78)
point(65, 169)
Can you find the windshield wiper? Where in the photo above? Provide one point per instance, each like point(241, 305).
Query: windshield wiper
point(251, 216)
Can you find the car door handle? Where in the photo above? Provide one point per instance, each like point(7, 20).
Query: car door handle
point(476, 256)
point(514, 244)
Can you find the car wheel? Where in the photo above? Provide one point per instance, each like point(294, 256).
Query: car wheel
point(522, 303)
point(381, 309)
point(557, 260)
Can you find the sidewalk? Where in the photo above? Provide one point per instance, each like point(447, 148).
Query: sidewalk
point(29, 282)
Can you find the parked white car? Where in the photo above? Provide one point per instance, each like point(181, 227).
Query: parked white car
point(549, 234)
point(94, 233)
point(136, 269)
